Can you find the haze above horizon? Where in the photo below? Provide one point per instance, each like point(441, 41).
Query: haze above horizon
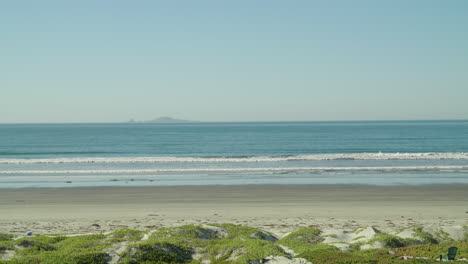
point(110, 61)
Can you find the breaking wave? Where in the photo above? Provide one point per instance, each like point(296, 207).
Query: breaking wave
point(309, 157)
point(272, 169)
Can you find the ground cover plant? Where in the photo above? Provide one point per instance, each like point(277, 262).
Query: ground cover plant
point(220, 244)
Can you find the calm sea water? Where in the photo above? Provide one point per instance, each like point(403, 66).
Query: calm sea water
point(375, 153)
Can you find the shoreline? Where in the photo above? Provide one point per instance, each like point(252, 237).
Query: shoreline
point(277, 208)
point(340, 185)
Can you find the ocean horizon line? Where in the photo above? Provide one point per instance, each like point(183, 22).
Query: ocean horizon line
point(234, 122)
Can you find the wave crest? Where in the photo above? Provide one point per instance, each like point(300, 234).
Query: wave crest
point(249, 170)
point(309, 157)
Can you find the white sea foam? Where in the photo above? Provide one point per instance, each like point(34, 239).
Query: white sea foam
point(311, 157)
point(296, 169)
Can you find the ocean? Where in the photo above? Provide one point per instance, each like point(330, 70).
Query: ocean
point(155, 154)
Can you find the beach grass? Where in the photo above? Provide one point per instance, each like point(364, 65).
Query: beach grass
point(303, 240)
point(219, 244)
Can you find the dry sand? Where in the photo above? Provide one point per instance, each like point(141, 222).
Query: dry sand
point(276, 208)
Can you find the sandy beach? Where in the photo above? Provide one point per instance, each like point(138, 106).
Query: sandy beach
point(277, 208)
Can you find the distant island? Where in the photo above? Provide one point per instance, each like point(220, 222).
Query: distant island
point(163, 119)
point(166, 119)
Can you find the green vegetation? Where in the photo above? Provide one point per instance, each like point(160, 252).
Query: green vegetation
point(60, 249)
point(359, 237)
point(6, 242)
point(6, 246)
point(433, 251)
point(223, 242)
point(443, 237)
point(243, 250)
point(392, 241)
point(326, 256)
point(302, 240)
point(126, 234)
point(6, 237)
point(157, 252)
point(219, 244)
point(186, 232)
point(370, 256)
point(425, 237)
point(236, 232)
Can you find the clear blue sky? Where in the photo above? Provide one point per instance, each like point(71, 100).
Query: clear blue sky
point(242, 60)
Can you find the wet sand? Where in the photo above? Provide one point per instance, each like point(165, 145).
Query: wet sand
point(278, 208)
